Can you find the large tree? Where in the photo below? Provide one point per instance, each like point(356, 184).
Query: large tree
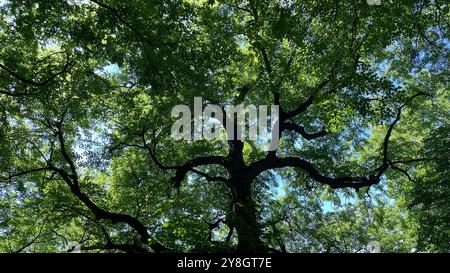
point(86, 153)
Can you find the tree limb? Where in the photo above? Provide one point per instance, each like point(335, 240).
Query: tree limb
point(301, 130)
point(72, 181)
point(356, 182)
point(36, 83)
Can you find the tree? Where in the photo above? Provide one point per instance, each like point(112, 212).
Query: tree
point(87, 88)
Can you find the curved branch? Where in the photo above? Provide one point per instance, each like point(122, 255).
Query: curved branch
point(405, 172)
point(356, 182)
point(187, 167)
point(72, 181)
point(300, 109)
point(210, 178)
point(385, 164)
point(335, 183)
point(301, 130)
point(181, 170)
point(35, 83)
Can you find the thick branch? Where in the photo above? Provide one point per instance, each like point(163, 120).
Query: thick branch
point(304, 106)
point(339, 182)
point(72, 181)
point(200, 161)
point(300, 109)
point(181, 170)
point(301, 130)
point(356, 182)
point(267, 64)
point(210, 178)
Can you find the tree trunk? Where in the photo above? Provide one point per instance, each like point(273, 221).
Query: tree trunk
point(245, 220)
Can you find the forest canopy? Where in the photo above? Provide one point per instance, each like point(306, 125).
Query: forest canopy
point(87, 157)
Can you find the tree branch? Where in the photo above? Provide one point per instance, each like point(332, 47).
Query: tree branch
point(356, 182)
point(22, 173)
point(301, 130)
point(122, 20)
point(210, 178)
point(335, 183)
point(72, 181)
point(187, 167)
point(36, 83)
point(385, 164)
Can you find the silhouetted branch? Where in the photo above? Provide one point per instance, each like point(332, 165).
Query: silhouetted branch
point(71, 180)
point(32, 82)
point(301, 130)
point(356, 182)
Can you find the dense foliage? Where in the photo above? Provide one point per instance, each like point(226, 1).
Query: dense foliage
point(86, 156)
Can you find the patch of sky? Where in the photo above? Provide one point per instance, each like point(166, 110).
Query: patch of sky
point(241, 41)
point(3, 3)
point(107, 70)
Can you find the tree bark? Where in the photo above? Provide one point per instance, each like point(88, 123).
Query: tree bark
point(245, 219)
